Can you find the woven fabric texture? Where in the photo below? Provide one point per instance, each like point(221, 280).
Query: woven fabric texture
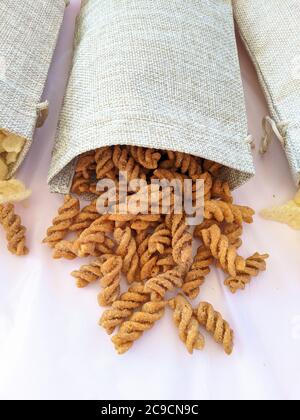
point(162, 74)
point(28, 35)
point(270, 31)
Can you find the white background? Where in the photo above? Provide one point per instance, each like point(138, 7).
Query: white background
point(51, 346)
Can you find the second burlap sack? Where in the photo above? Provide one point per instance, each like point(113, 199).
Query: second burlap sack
point(270, 31)
point(28, 34)
point(159, 74)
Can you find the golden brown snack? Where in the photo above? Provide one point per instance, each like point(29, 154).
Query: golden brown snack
point(85, 165)
point(207, 185)
point(186, 163)
point(93, 236)
point(167, 282)
point(85, 218)
point(213, 322)
point(181, 239)
point(15, 232)
point(104, 163)
point(80, 185)
point(160, 239)
point(126, 163)
point(221, 211)
point(127, 249)
point(62, 223)
point(187, 323)
point(254, 265)
point(222, 251)
point(233, 232)
point(137, 223)
point(124, 307)
point(148, 158)
point(131, 330)
point(213, 168)
point(141, 225)
point(166, 261)
point(148, 260)
point(106, 247)
point(169, 175)
point(64, 249)
point(111, 269)
point(221, 190)
point(206, 224)
point(199, 270)
point(88, 274)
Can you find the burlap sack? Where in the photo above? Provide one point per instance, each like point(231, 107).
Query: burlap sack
point(270, 30)
point(161, 74)
point(28, 35)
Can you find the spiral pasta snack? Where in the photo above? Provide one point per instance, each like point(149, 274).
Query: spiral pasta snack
point(196, 276)
point(88, 274)
point(158, 286)
point(221, 249)
point(151, 247)
point(85, 218)
point(181, 239)
point(105, 167)
point(221, 190)
point(62, 223)
point(148, 158)
point(127, 249)
point(126, 163)
point(222, 211)
point(64, 249)
point(213, 322)
point(160, 240)
point(186, 163)
point(111, 269)
point(187, 324)
point(254, 265)
point(124, 307)
point(131, 330)
point(93, 236)
point(15, 232)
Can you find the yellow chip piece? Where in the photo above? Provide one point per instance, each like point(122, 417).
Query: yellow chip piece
point(2, 136)
point(13, 143)
point(13, 191)
point(11, 157)
point(288, 213)
point(3, 170)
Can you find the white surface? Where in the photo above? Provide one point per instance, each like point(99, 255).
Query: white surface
point(51, 346)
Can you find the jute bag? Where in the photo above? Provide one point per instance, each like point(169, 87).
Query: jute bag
point(160, 74)
point(28, 35)
point(270, 31)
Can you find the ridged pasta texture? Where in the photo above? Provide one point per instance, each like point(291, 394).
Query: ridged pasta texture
point(15, 232)
point(141, 321)
point(196, 276)
point(93, 236)
point(123, 308)
point(213, 322)
point(87, 274)
point(111, 269)
point(63, 221)
point(222, 251)
point(187, 324)
point(181, 239)
point(167, 282)
point(254, 266)
point(146, 238)
point(127, 249)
